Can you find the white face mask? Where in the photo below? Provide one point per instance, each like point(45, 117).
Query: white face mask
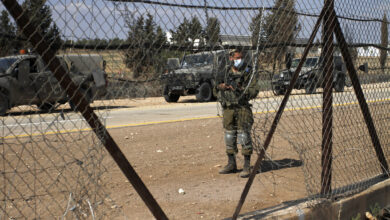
point(237, 62)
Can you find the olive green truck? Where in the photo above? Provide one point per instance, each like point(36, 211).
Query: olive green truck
point(26, 80)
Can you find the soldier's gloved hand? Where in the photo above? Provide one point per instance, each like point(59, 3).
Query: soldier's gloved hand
point(224, 86)
point(239, 87)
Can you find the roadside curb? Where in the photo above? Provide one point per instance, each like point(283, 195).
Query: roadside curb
point(346, 208)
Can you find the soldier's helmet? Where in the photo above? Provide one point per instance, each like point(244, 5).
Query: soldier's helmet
point(232, 51)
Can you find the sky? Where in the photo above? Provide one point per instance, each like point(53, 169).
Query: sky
point(104, 19)
point(87, 18)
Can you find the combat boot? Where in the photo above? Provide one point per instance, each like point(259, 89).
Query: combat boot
point(247, 165)
point(231, 167)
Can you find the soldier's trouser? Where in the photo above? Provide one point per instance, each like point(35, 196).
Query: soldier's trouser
point(238, 122)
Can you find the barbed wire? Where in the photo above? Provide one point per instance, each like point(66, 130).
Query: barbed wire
point(243, 8)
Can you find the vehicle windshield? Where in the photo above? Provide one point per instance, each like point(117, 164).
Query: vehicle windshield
point(5, 63)
point(310, 62)
point(173, 63)
point(197, 60)
point(295, 63)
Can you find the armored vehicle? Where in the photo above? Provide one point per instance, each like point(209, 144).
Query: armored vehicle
point(195, 75)
point(26, 80)
point(310, 77)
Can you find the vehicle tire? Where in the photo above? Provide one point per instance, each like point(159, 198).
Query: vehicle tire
point(348, 82)
point(339, 84)
point(47, 107)
point(87, 96)
point(4, 103)
point(279, 91)
point(275, 90)
point(205, 93)
point(169, 97)
point(310, 86)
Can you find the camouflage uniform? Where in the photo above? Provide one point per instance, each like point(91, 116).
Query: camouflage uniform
point(237, 116)
point(237, 112)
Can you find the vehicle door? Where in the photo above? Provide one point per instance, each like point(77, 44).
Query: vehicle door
point(315, 64)
point(23, 91)
point(339, 68)
point(46, 85)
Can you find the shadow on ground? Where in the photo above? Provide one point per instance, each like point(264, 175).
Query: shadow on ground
point(193, 101)
point(270, 165)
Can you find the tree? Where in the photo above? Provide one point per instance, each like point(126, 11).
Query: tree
point(349, 38)
point(115, 42)
point(196, 31)
point(41, 17)
point(384, 42)
point(281, 27)
point(187, 32)
point(146, 40)
point(181, 35)
point(7, 35)
point(212, 31)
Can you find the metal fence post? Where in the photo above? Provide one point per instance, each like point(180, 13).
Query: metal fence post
point(327, 101)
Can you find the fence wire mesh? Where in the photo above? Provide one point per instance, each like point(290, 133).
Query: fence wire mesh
point(116, 51)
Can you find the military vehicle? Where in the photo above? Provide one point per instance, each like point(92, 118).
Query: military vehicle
point(194, 75)
point(93, 66)
point(310, 77)
point(26, 80)
point(172, 64)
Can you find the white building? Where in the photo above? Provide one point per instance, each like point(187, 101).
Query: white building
point(234, 40)
point(168, 35)
point(368, 52)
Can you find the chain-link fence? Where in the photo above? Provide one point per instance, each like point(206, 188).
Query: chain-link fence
point(60, 57)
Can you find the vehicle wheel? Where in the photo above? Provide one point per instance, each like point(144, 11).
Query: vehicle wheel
point(205, 92)
point(279, 91)
point(348, 82)
point(310, 86)
point(4, 103)
point(47, 107)
point(339, 84)
point(275, 90)
point(169, 97)
point(87, 96)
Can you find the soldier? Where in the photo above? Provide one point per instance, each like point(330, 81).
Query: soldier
point(234, 95)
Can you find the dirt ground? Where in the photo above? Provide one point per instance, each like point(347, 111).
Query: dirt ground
point(188, 155)
point(168, 157)
point(183, 156)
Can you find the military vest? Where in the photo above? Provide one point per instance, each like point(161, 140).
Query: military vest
point(243, 93)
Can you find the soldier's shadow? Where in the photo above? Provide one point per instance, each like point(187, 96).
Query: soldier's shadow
point(270, 165)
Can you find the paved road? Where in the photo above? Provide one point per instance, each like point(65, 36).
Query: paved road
point(36, 124)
